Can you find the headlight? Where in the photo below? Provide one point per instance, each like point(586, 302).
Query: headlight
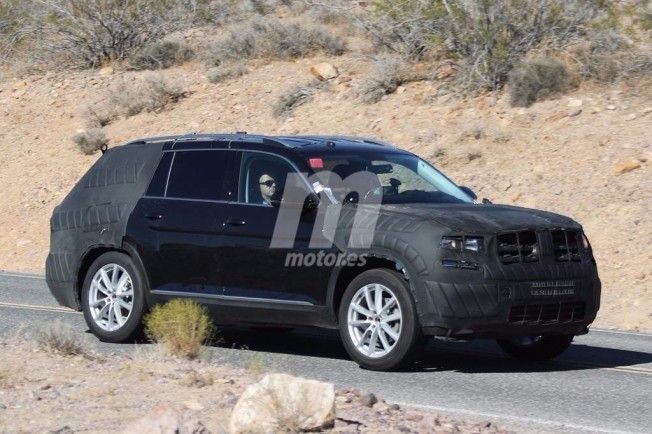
point(463, 243)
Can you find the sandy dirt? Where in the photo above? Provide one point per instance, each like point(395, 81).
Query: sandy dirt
point(556, 155)
point(99, 393)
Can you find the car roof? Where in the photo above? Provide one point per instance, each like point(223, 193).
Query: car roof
point(301, 143)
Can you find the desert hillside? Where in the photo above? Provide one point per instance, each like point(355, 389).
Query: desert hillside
point(584, 151)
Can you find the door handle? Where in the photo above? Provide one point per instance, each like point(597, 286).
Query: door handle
point(235, 222)
point(152, 216)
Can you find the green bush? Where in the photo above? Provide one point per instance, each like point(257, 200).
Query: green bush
point(535, 79)
point(181, 326)
point(160, 55)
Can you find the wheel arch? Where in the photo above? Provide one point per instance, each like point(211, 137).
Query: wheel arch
point(343, 276)
point(93, 252)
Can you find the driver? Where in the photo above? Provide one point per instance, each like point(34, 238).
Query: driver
point(267, 188)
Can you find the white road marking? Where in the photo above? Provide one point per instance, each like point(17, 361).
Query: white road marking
point(620, 332)
point(39, 307)
point(23, 276)
point(561, 426)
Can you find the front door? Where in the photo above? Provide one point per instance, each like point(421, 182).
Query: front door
point(254, 269)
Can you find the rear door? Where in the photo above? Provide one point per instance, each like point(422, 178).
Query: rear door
point(179, 223)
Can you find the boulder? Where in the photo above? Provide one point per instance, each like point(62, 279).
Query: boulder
point(324, 71)
point(281, 402)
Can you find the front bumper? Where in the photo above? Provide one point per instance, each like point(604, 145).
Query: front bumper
point(508, 308)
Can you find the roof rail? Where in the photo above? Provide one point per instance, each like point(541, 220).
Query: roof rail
point(273, 141)
point(350, 139)
point(377, 142)
point(151, 140)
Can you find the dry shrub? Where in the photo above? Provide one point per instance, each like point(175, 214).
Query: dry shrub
point(295, 96)
point(607, 56)
point(59, 338)
point(257, 365)
point(226, 71)
point(488, 37)
point(161, 55)
point(90, 141)
point(181, 326)
point(273, 38)
point(128, 98)
point(385, 76)
point(158, 93)
point(535, 79)
point(5, 377)
point(90, 33)
point(197, 379)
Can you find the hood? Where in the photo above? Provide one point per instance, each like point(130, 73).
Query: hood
point(476, 218)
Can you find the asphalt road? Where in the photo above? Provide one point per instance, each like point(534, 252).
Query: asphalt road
point(603, 383)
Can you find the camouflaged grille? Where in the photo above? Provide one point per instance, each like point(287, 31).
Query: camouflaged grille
point(547, 313)
point(518, 247)
point(566, 245)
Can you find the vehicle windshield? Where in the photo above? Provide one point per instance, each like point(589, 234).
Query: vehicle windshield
point(388, 178)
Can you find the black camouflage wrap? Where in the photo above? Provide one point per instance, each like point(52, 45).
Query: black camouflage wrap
point(95, 213)
point(455, 302)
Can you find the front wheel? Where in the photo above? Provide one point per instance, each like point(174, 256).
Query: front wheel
point(113, 299)
point(378, 321)
point(536, 348)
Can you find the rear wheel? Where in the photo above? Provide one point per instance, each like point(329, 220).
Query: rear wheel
point(378, 321)
point(113, 299)
point(535, 348)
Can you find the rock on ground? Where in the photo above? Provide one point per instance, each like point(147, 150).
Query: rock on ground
point(324, 71)
point(281, 402)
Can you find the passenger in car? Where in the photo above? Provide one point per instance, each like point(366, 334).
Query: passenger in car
point(267, 188)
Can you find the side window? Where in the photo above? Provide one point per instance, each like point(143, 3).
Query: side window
point(206, 175)
point(262, 178)
point(157, 185)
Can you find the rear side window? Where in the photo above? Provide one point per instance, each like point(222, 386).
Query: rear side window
point(157, 186)
point(206, 175)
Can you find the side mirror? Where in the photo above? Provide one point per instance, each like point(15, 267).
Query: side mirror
point(468, 191)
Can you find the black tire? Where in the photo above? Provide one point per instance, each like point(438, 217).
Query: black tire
point(410, 341)
point(546, 348)
point(132, 329)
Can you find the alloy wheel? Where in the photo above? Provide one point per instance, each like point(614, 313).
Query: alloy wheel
point(374, 320)
point(111, 297)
